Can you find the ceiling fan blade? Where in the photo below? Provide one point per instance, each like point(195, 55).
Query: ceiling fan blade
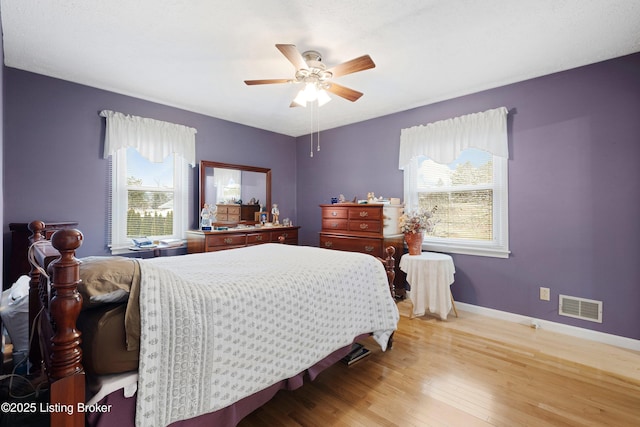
point(292, 54)
point(344, 92)
point(266, 81)
point(358, 64)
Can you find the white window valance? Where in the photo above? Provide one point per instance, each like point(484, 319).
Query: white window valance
point(443, 141)
point(153, 139)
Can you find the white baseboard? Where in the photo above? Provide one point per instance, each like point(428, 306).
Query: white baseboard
point(574, 331)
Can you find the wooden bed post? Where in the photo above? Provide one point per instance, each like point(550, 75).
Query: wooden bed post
point(66, 304)
point(390, 267)
point(389, 263)
point(65, 368)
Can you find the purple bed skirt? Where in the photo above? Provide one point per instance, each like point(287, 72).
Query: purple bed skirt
point(123, 409)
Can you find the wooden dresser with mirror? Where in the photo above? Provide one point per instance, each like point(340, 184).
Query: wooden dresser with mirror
point(221, 183)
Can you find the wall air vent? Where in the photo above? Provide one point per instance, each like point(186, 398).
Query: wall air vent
point(581, 308)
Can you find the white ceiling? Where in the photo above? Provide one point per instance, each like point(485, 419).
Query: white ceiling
point(195, 54)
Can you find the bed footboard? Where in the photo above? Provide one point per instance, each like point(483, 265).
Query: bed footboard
point(55, 308)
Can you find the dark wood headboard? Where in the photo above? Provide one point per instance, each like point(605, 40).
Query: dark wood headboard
point(54, 306)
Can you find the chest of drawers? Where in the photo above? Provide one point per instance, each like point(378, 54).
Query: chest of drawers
point(367, 229)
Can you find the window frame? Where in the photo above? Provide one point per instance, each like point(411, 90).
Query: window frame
point(118, 239)
point(499, 246)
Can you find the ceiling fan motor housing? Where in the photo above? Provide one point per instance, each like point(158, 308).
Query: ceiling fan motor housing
point(312, 55)
point(316, 73)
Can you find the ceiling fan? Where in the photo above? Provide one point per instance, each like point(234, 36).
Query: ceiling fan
point(316, 76)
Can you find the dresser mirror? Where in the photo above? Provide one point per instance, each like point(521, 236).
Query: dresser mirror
point(224, 183)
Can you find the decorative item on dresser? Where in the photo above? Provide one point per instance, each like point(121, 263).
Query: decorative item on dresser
point(236, 212)
point(218, 240)
point(366, 228)
point(228, 212)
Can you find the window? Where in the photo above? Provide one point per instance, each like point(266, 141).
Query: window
point(470, 200)
point(148, 199)
point(459, 167)
point(148, 162)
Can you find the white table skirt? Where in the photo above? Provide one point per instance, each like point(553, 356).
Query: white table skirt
point(430, 275)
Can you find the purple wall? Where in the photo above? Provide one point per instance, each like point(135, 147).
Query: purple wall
point(54, 139)
point(574, 190)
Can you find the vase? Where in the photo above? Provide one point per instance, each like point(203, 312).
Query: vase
point(414, 242)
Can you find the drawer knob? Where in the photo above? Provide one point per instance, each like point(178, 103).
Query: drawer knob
point(364, 213)
point(334, 213)
point(328, 244)
point(228, 240)
point(364, 226)
point(259, 238)
point(368, 248)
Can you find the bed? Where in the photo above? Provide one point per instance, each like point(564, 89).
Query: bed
point(204, 339)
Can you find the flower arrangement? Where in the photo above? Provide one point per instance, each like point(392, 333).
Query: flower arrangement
point(417, 221)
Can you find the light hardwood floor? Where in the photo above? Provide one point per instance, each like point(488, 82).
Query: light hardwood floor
point(469, 371)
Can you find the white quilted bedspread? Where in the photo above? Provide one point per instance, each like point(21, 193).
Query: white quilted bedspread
point(217, 327)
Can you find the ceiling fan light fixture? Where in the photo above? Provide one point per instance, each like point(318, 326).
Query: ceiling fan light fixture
point(301, 99)
point(323, 97)
point(311, 91)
